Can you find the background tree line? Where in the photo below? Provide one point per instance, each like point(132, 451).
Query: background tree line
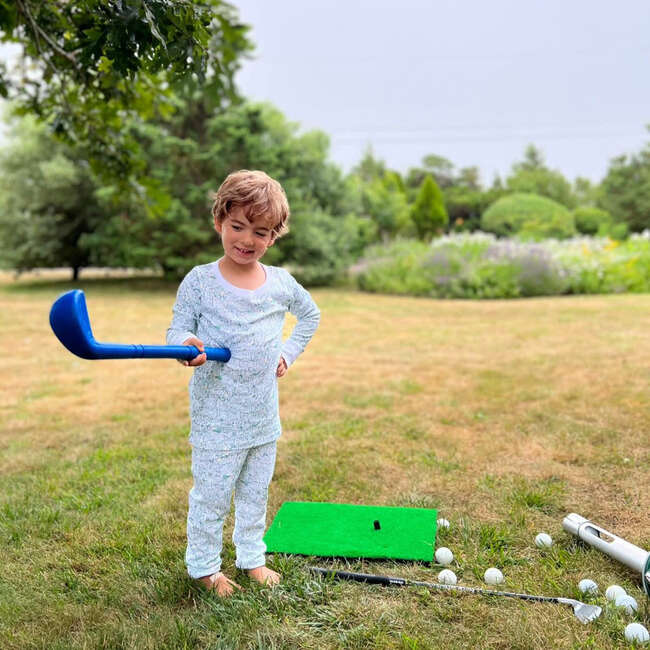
point(115, 149)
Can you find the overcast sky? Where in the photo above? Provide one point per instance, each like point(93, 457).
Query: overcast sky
point(470, 80)
point(473, 81)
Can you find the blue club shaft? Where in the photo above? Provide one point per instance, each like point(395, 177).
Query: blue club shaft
point(70, 322)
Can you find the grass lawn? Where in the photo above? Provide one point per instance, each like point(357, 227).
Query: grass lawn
point(503, 415)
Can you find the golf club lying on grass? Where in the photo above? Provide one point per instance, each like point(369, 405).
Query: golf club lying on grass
point(70, 322)
point(584, 613)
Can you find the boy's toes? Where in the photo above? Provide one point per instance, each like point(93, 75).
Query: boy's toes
point(265, 576)
point(225, 586)
point(219, 583)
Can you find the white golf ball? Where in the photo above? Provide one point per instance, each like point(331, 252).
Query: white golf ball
point(442, 523)
point(543, 540)
point(628, 603)
point(636, 632)
point(587, 586)
point(444, 556)
point(447, 577)
point(613, 592)
point(493, 576)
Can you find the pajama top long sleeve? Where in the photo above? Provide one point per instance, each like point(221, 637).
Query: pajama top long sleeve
point(234, 405)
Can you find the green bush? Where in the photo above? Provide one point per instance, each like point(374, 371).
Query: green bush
point(319, 247)
point(428, 212)
point(591, 221)
point(529, 216)
point(617, 231)
point(392, 268)
point(603, 265)
point(625, 190)
point(399, 276)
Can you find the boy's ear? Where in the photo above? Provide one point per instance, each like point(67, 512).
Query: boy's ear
point(218, 226)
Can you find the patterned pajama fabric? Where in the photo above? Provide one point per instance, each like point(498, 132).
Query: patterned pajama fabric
point(216, 474)
point(234, 406)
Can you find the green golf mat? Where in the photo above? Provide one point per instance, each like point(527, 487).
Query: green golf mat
point(343, 530)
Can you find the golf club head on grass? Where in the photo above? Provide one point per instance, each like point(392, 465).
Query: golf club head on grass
point(71, 325)
point(584, 612)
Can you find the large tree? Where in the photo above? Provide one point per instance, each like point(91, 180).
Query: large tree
point(87, 67)
point(48, 202)
point(532, 176)
point(369, 168)
point(386, 205)
point(440, 168)
point(625, 190)
point(55, 212)
point(378, 195)
point(190, 154)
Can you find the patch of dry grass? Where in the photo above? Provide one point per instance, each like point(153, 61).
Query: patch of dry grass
point(505, 415)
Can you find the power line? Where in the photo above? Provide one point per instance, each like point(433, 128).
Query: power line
point(411, 137)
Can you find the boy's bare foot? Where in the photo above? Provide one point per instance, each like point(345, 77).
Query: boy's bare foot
point(218, 583)
point(265, 576)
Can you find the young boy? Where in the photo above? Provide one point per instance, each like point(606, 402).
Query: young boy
point(238, 303)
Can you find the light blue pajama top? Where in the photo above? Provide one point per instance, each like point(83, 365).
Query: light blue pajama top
point(234, 405)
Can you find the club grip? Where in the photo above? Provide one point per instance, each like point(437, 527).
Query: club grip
point(213, 354)
point(359, 577)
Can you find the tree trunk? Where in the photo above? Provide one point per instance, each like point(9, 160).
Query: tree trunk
point(75, 273)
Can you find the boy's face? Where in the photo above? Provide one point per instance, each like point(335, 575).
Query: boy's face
point(244, 241)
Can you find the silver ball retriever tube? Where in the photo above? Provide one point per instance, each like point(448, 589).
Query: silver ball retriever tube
point(594, 535)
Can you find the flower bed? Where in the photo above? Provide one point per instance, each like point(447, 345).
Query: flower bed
point(479, 265)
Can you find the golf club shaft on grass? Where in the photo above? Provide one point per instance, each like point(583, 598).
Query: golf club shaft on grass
point(584, 612)
point(403, 582)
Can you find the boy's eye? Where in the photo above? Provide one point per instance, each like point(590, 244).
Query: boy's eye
point(261, 234)
point(236, 227)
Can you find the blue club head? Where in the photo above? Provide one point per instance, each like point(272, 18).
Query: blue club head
point(70, 322)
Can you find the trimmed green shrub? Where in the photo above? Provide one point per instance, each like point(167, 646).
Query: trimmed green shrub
point(591, 221)
point(618, 231)
point(529, 216)
point(428, 213)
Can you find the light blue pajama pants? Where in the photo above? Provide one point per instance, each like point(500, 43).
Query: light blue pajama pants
point(216, 474)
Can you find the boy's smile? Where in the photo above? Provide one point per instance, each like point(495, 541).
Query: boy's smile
point(244, 241)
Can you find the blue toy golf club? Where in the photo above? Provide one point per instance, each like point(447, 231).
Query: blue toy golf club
point(70, 322)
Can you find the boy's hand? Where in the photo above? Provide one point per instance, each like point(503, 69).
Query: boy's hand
point(282, 368)
point(198, 360)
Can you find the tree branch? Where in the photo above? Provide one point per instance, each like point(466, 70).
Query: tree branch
point(24, 9)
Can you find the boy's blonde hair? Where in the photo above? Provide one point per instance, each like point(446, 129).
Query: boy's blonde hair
point(258, 195)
